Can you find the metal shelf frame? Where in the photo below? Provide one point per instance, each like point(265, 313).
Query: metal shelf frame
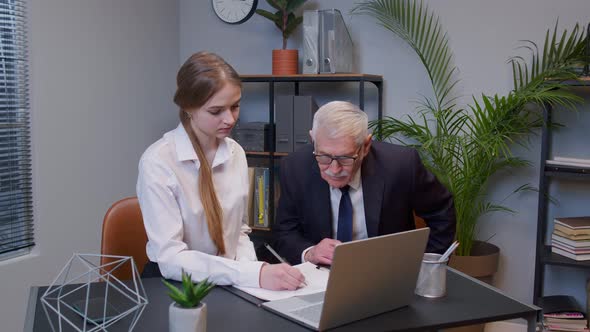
point(549, 172)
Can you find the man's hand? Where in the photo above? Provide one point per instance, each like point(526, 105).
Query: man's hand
point(322, 253)
point(280, 277)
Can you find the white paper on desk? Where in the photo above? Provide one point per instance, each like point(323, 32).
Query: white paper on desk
point(316, 280)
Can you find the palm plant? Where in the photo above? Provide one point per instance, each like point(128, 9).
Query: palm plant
point(464, 147)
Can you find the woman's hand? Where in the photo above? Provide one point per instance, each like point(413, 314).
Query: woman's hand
point(280, 277)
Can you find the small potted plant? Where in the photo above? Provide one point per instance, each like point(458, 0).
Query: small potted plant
point(284, 61)
point(187, 312)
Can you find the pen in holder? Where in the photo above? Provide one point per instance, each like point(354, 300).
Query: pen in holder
point(432, 280)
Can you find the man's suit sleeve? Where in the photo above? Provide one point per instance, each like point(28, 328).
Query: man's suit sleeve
point(288, 228)
point(434, 203)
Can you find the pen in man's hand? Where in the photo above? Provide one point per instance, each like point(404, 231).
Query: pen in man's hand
point(324, 266)
point(274, 253)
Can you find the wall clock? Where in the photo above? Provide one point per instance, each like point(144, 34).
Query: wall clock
point(234, 11)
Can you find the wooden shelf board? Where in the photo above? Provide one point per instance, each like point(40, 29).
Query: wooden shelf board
point(342, 77)
point(256, 229)
point(266, 153)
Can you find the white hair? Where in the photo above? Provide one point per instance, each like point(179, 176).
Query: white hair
point(339, 119)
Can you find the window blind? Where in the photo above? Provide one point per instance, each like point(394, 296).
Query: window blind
point(16, 209)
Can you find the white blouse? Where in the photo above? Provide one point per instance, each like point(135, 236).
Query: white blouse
point(178, 236)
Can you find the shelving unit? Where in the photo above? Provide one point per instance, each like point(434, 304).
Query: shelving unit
point(550, 173)
point(262, 235)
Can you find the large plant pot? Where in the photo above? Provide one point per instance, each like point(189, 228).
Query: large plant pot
point(284, 62)
point(187, 319)
point(482, 264)
point(483, 261)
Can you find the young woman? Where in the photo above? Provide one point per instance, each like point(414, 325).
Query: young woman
point(193, 187)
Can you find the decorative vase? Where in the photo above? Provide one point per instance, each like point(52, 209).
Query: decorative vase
point(187, 319)
point(284, 62)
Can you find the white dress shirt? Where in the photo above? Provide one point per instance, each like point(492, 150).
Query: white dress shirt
point(359, 225)
point(173, 215)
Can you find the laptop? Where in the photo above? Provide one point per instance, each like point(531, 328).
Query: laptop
point(368, 277)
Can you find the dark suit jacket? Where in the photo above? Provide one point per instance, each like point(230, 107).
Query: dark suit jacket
point(395, 184)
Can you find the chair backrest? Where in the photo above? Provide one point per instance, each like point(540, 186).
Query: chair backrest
point(123, 234)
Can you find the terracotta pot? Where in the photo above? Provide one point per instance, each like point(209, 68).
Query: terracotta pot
point(483, 261)
point(284, 62)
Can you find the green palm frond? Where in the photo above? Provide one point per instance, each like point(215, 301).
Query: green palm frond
point(560, 57)
point(421, 29)
point(465, 147)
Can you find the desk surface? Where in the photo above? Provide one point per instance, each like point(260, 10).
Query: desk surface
point(467, 302)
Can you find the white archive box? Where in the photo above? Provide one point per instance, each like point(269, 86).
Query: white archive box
point(327, 46)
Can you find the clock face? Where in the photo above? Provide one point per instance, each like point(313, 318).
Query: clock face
point(234, 11)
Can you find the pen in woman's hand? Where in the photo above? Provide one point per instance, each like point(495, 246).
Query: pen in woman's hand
point(274, 253)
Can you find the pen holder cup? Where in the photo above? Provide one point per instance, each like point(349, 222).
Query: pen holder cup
point(432, 280)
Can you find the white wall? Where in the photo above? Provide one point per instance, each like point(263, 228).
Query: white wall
point(102, 79)
point(483, 35)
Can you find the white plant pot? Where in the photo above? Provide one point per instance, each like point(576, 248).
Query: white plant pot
point(187, 319)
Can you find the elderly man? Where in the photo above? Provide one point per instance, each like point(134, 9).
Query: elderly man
point(346, 187)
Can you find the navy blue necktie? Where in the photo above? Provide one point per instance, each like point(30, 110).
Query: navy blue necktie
point(344, 233)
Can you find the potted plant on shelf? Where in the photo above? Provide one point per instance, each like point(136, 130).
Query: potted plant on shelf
point(187, 312)
point(284, 61)
point(465, 146)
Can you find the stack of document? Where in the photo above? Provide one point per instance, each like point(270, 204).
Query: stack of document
point(316, 280)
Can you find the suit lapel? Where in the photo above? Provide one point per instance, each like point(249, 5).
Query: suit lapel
point(372, 194)
point(320, 198)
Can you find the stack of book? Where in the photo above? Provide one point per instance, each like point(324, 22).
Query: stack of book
point(571, 237)
point(562, 313)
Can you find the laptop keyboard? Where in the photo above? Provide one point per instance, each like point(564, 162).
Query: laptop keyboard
point(311, 313)
point(313, 298)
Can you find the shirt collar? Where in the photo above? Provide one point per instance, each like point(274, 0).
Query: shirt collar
point(185, 150)
point(355, 182)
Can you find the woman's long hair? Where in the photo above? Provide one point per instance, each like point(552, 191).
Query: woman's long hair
point(199, 78)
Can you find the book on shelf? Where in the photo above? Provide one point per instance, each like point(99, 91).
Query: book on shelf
point(565, 253)
point(575, 223)
point(562, 313)
point(572, 160)
point(569, 242)
point(570, 249)
point(557, 320)
point(572, 234)
point(559, 161)
point(260, 201)
point(250, 206)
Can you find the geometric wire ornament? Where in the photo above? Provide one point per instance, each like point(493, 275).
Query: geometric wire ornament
point(87, 297)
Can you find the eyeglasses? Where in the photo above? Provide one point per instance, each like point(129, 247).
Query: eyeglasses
point(326, 159)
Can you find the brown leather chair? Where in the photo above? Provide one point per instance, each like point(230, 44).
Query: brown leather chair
point(123, 234)
point(419, 222)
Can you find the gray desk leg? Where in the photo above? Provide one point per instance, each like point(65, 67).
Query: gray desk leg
point(531, 322)
point(31, 308)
